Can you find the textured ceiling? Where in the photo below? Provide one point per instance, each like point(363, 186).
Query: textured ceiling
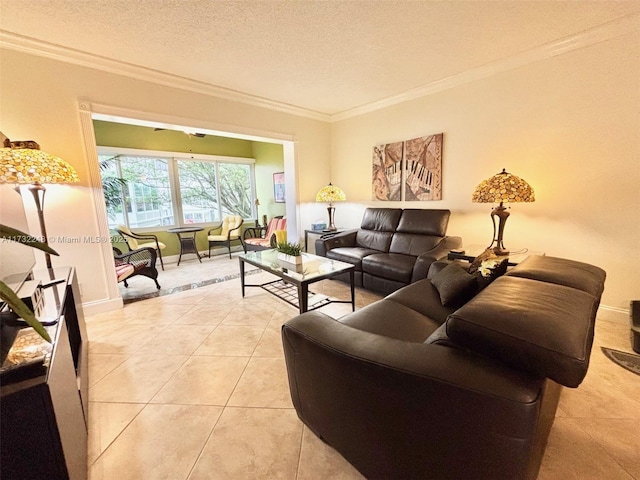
point(323, 56)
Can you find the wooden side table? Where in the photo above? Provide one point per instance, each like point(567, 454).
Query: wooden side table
point(187, 242)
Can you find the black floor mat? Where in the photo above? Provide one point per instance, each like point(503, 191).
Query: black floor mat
point(626, 360)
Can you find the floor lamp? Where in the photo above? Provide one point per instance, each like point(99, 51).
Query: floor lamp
point(502, 188)
point(24, 163)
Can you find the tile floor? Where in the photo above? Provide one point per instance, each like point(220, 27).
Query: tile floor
point(193, 386)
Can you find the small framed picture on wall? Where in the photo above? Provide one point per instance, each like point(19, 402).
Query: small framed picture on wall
point(278, 187)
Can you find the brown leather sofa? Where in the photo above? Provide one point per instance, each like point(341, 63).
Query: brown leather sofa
point(393, 247)
point(407, 388)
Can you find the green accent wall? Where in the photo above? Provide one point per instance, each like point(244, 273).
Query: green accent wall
point(269, 159)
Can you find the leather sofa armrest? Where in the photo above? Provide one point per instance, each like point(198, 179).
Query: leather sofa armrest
point(440, 251)
point(345, 381)
point(344, 239)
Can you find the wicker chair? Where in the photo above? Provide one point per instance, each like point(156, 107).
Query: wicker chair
point(230, 230)
point(132, 238)
point(262, 238)
point(143, 261)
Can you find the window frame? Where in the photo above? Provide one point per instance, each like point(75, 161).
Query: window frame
point(174, 180)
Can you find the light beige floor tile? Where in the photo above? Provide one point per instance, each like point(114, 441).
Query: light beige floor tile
point(248, 315)
point(187, 298)
point(106, 422)
point(251, 443)
point(280, 317)
point(101, 364)
point(203, 380)
point(596, 397)
point(263, 384)
point(231, 341)
point(176, 340)
point(620, 438)
point(205, 314)
point(122, 338)
point(572, 454)
point(270, 345)
point(154, 312)
point(162, 442)
point(319, 460)
point(137, 379)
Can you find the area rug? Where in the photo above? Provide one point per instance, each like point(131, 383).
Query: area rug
point(626, 360)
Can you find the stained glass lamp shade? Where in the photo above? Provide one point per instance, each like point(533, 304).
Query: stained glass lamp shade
point(330, 194)
point(502, 188)
point(24, 163)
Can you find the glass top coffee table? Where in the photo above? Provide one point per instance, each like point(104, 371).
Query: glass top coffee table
point(294, 281)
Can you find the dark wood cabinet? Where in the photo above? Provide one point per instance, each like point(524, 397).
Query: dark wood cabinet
point(44, 401)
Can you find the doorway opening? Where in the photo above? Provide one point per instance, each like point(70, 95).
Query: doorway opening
point(110, 129)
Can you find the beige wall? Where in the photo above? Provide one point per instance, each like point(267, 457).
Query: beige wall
point(568, 125)
point(39, 101)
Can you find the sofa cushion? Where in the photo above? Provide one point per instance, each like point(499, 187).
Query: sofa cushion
point(413, 243)
point(353, 255)
point(424, 222)
point(392, 266)
point(381, 219)
point(561, 271)
point(374, 240)
point(423, 297)
point(406, 324)
point(454, 284)
point(544, 328)
point(377, 228)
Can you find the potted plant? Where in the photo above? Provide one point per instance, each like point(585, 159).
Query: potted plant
point(18, 311)
point(290, 252)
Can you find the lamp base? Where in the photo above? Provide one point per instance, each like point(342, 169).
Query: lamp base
point(332, 210)
point(498, 230)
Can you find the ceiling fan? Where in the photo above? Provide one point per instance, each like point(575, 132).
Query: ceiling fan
point(188, 132)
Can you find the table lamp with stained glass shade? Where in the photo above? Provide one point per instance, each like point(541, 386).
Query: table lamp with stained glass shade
point(23, 162)
point(502, 188)
point(331, 194)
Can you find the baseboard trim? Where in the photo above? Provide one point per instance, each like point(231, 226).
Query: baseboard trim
point(101, 306)
point(613, 314)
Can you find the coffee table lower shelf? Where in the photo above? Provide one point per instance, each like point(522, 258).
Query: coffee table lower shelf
point(289, 293)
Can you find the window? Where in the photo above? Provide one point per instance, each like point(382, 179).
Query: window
point(149, 191)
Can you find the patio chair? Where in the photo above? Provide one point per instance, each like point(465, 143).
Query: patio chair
point(230, 230)
point(132, 238)
point(143, 261)
point(262, 238)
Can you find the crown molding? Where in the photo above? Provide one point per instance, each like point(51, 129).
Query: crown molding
point(52, 51)
point(621, 26)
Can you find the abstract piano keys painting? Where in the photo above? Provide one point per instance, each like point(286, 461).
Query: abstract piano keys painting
point(423, 166)
point(387, 171)
point(409, 170)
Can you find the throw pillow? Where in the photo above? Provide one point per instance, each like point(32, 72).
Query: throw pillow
point(454, 284)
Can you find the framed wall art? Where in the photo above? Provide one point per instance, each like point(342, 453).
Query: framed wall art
point(278, 187)
point(409, 170)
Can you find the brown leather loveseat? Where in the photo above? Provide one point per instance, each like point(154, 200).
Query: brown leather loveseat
point(393, 247)
point(409, 388)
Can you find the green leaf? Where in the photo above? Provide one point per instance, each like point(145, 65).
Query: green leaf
point(22, 310)
point(16, 235)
